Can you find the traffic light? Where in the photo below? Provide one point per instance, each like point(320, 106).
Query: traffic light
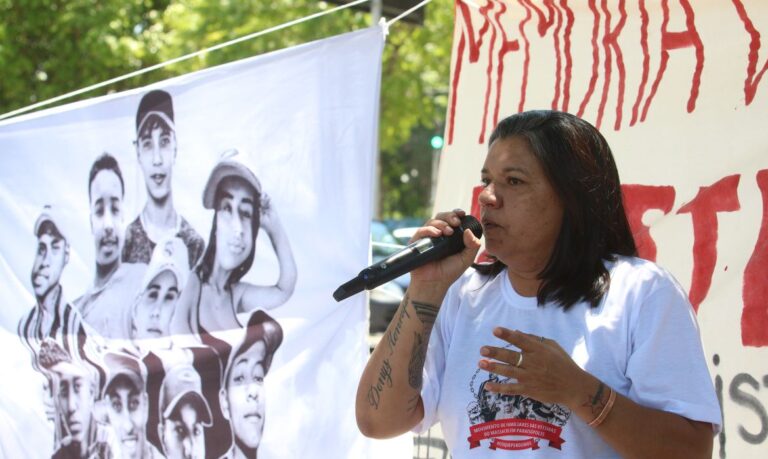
point(436, 141)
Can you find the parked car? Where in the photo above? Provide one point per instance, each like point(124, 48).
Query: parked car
point(404, 235)
point(385, 298)
point(403, 228)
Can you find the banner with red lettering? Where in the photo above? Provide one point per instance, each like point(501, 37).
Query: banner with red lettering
point(169, 255)
point(677, 88)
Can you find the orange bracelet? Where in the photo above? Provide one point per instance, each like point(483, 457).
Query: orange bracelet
point(606, 409)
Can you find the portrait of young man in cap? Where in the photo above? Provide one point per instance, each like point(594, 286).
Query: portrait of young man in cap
point(163, 281)
point(52, 316)
point(74, 386)
point(126, 405)
point(156, 150)
point(242, 395)
point(184, 414)
point(105, 304)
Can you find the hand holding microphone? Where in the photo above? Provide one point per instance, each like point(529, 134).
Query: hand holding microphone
point(442, 237)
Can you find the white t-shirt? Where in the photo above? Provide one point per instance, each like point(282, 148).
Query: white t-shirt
point(642, 340)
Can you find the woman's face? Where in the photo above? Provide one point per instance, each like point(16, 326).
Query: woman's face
point(155, 307)
point(234, 217)
point(521, 211)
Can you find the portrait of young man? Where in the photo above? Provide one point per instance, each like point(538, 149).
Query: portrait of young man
point(242, 396)
point(156, 149)
point(74, 386)
point(162, 283)
point(126, 405)
point(105, 305)
point(52, 316)
point(184, 414)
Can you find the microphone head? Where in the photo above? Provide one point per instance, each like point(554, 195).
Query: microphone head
point(350, 288)
point(471, 223)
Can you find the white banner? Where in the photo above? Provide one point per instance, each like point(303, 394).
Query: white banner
point(141, 313)
point(677, 88)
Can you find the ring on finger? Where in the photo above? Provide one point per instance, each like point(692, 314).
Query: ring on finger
point(519, 360)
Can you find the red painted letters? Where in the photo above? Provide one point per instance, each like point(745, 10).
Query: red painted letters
point(637, 200)
point(754, 317)
point(753, 76)
point(719, 197)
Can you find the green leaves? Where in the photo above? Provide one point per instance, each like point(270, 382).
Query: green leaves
point(51, 47)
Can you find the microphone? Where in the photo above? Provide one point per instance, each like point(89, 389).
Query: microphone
point(409, 258)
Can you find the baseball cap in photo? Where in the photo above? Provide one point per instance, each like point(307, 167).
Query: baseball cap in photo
point(155, 103)
point(51, 214)
point(52, 354)
point(182, 384)
point(121, 364)
point(56, 360)
point(169, 254)
point(229, 165)
point(261, 327)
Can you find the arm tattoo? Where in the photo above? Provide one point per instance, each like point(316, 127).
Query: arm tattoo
point(416, 364)
point(599, 392)
point(413, 403)
point(394, 335)
point(427, 313)
point(596, 402)
point(384, 380)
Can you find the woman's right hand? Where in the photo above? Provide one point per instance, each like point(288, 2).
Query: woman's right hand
point(440, 274)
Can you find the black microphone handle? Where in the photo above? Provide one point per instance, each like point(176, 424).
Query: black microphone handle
point(419, 253)
point(394, 266)
point(410, 258)
point(407, 260)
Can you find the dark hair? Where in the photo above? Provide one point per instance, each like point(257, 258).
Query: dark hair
point(150, 126)
point(581, 169)
point(205, 266)
point(102, 163)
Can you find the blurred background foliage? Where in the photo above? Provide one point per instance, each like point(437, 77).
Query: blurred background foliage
point(51, 47)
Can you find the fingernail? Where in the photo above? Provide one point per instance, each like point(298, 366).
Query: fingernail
point(484, 364)
point(485, 351)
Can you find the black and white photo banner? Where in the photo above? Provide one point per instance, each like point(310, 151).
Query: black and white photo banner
point(168, 258)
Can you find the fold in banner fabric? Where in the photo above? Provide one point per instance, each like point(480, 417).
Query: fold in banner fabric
point(169, 255)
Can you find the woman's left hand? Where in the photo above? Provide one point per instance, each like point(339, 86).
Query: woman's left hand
point(268, 216)
point(545, 372)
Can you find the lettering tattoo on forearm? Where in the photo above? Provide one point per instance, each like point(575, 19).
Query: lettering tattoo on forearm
point(426, 314)
point(384, 380)
point(394, 335)
point(596, 402)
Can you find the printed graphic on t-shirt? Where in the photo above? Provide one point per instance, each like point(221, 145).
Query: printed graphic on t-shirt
point(512, 422)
